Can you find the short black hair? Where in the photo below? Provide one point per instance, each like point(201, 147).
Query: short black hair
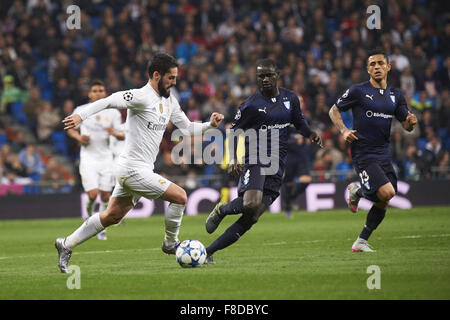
point(96, 82)
point(377, 51)
point(267, 63)
point(161, 62)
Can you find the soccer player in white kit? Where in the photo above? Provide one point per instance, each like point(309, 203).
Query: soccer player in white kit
point(149, 109)
point(96, 154)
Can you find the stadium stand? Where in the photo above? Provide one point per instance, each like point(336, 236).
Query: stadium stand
point(321, 47)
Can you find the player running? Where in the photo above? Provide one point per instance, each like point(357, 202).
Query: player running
point(149, 109)
point(96, 155)
point(373, 104)
point(270, 108)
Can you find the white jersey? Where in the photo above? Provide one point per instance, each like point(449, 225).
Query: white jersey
point(147, 117)
point(98, 148)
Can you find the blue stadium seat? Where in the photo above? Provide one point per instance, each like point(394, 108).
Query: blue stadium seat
point(59, 142)
point(421, 143)
point(95, 22)
point(46, 94)
point(3, 139)
point(42, 79)
point(31, 189)
point(17, 112)
point(87, 45)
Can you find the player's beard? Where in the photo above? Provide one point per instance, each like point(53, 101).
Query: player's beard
point(162, 91)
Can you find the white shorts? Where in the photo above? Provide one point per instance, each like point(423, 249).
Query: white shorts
point(139, 182)
point(97, 175)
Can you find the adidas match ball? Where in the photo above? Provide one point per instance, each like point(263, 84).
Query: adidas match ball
point(191, 253)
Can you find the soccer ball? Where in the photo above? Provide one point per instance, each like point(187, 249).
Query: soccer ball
point(191, 253)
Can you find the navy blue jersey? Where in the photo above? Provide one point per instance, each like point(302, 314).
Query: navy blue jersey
point(266, 114)
point(373, 110)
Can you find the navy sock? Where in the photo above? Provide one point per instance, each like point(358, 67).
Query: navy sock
point(374, 218)
point(230, 236)
point(369, 196)
point(234, 207)
point(300, 188)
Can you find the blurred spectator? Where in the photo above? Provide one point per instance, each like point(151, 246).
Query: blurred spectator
point(48, 120)
point(422, 103)
point(32, 107)
point(10, 93)
point(18, 142)
point(31, 159)
point(52, 177)
point(410, 167)
point(187, 48)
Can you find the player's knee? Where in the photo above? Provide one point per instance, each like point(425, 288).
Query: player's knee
point(181, 198)
point(386, 194)
point(251, 207)
point(104, 197)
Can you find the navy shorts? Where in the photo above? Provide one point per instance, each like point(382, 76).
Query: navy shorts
point(375, 173)
point(252, 178)
point(295, 169)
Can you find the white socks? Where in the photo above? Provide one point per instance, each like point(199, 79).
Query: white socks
point(88, 229)
point(172, 221)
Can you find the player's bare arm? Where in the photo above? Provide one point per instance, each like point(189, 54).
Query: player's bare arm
point(119, 135)
point(216, 119)
point(81, 138)
point(410, 123)
point(71, 121)
point(315, 137)
point(335, 116)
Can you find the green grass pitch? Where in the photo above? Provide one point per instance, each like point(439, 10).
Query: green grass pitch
point(306, 257)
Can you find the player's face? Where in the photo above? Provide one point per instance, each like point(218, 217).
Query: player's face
point(377, 67)
point(96, 92)
point(266, 78)
point(167, 81)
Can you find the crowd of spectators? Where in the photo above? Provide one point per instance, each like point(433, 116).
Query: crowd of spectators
point(320, 46)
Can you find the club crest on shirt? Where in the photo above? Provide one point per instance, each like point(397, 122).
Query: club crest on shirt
point(287, 104)
point(274, 99)
point(161, 108)
point(393, 99)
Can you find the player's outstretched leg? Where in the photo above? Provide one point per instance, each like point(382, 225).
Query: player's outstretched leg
point(64, 254)
point(103, 205)
point(353, 197)
point(116, 210)
point(172, 219)
point(220, 211)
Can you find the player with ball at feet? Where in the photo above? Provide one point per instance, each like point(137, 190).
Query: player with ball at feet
point(150, 108)
point(373, 104)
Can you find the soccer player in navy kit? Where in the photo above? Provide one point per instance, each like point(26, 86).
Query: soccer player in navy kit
point(373, 104)
point(270, 108)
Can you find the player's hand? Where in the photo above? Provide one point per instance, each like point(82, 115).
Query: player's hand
point(349, 135)
point(234, 169)
point(84, 139)
point(72, 121)
point(110, 131)
point(216, 119)
point(316, 139)
point(411, 121)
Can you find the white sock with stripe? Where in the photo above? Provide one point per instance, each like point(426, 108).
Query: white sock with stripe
point(87, 230)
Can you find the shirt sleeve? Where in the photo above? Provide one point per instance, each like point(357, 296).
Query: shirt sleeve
point(348, 100)
point(187, 127)
point(298, 120)
point(401, 111)
point(120, 100)
point(241, 117)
